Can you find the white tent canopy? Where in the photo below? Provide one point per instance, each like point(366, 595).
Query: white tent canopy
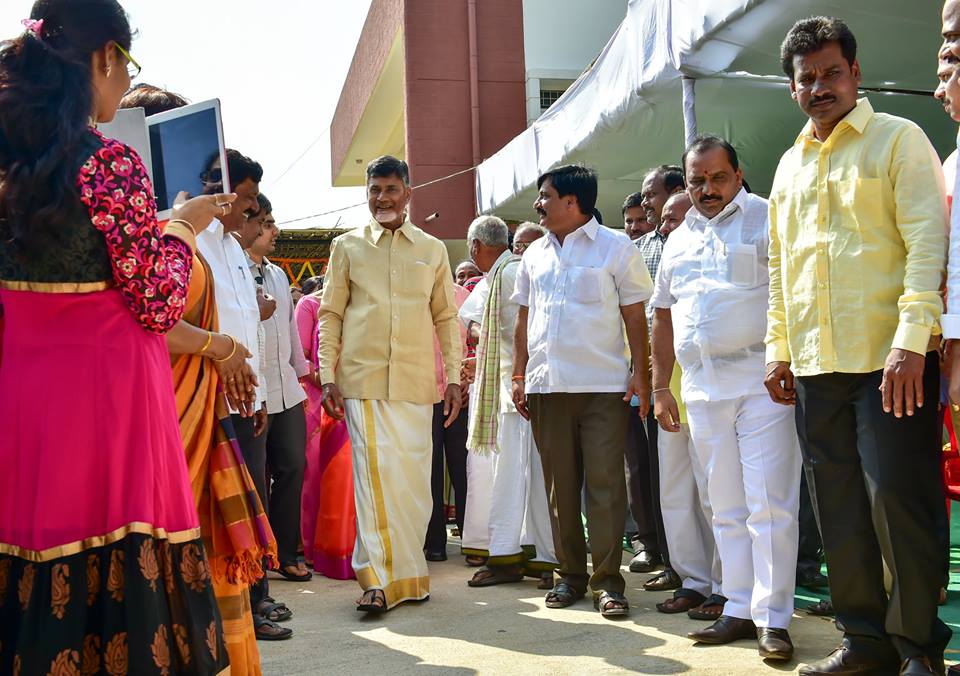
point(627, 112)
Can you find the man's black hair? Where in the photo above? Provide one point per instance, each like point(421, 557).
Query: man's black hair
point(240, 168)
point(672, 177)
point(709, 142)
point(387, 165)
point(264, 204)
point(634, 199)
point(576, 180)
point(811, 35)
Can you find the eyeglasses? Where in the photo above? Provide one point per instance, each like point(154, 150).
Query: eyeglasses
point(212, 176)
point(520, 247)
point(133, 68)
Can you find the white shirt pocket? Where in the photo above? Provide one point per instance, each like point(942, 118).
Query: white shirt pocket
point(584, 285)
point(742, 264)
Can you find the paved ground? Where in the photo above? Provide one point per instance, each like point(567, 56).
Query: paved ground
point(505, 630)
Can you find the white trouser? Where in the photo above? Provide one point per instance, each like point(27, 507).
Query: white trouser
point(687, 515)
point(476, 519)
point(519, 512)
point(751, 454)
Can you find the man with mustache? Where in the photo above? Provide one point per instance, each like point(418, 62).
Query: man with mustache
point(388, 287)
point(572, 380)
point(710, 308)
point(856, 261)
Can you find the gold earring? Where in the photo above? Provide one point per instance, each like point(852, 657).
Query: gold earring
point(107, 71)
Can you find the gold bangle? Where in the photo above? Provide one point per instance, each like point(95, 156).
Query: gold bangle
point(518, 378)
point(207, 344)
point(232, 352)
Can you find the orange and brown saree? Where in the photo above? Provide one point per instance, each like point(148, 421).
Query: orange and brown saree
point(235, 530)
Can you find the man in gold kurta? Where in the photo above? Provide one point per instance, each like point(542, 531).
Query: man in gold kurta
point(388, 287)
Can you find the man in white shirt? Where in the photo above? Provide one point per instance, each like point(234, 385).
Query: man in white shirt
point(570, 368)
point(239, 315)
point(710, 313)
point(283, 367)
point(496, 429)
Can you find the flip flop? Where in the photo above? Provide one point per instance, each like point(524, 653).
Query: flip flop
point(681, 603)
point(713, 601)
point(282, 571)
point(488, 577)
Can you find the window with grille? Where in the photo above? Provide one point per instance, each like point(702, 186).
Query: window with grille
point(549, 96)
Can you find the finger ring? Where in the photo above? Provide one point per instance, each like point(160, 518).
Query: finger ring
point(956, 407)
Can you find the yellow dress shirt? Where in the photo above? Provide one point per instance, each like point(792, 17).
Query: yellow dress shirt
point(857, 246)
point(384, 294)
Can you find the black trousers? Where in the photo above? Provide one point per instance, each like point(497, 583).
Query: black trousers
point(254, 450)
point(810, 552)
point(877, 487)
point(642, 465)
point(449, 443)
point(286, 459)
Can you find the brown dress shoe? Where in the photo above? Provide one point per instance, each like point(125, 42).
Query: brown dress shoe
point(774, 644)
point(726, 629)
point(845, 660)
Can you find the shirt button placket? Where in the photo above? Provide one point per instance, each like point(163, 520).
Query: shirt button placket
point(827, 356)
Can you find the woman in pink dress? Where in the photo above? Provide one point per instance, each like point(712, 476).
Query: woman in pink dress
point(328, 515)
point(101, 564)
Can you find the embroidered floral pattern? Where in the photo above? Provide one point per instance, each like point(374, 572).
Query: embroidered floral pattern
point(93, 578)
point(25, 589)
point(160, 648)
point(183, 642)
point(149, 567)
point(212, 643)
point(60, 589)
point(115, 656)
point(90, 663)
point(152, 271)
point(67, 663)
point(193, 568)
point(115, 576)
point(166, 556)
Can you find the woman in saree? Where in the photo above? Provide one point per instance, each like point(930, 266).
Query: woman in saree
point(328, 514)
point(208, 369)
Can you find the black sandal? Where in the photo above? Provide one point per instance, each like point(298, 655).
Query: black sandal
point(563, 596)
point(379, 604)
point(282, 570)
point(267, 630)
point(612, 604)
point(273, 611)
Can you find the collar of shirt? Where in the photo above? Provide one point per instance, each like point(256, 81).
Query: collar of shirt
point(697, 220)
point(856, 119)
point(589, 229)
point(377, 230)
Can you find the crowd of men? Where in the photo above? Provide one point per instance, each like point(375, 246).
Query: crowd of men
point(794, 385)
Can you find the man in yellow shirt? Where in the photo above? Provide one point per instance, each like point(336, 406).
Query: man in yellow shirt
point(388, 287)
point(857, 247)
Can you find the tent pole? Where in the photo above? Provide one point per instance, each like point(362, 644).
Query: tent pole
point(689, 110)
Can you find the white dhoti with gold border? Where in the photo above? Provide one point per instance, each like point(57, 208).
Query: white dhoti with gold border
point(392, 455)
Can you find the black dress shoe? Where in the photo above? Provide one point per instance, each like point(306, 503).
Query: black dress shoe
point(774, 644)
point(726, 629)
point(812, 579)
point(644, 562)
point(918, 666)
point(845, 660)
point(435, 555)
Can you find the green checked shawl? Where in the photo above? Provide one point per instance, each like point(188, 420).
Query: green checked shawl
point(482, 437)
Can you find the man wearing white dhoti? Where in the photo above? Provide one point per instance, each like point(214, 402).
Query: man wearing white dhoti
point(388, 287)
point(710, 305)
point(497, 430)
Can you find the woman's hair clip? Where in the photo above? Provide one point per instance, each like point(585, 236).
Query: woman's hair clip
point(34, 27)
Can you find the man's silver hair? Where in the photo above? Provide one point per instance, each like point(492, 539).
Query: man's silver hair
point(527, 225)
point(489, 231)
